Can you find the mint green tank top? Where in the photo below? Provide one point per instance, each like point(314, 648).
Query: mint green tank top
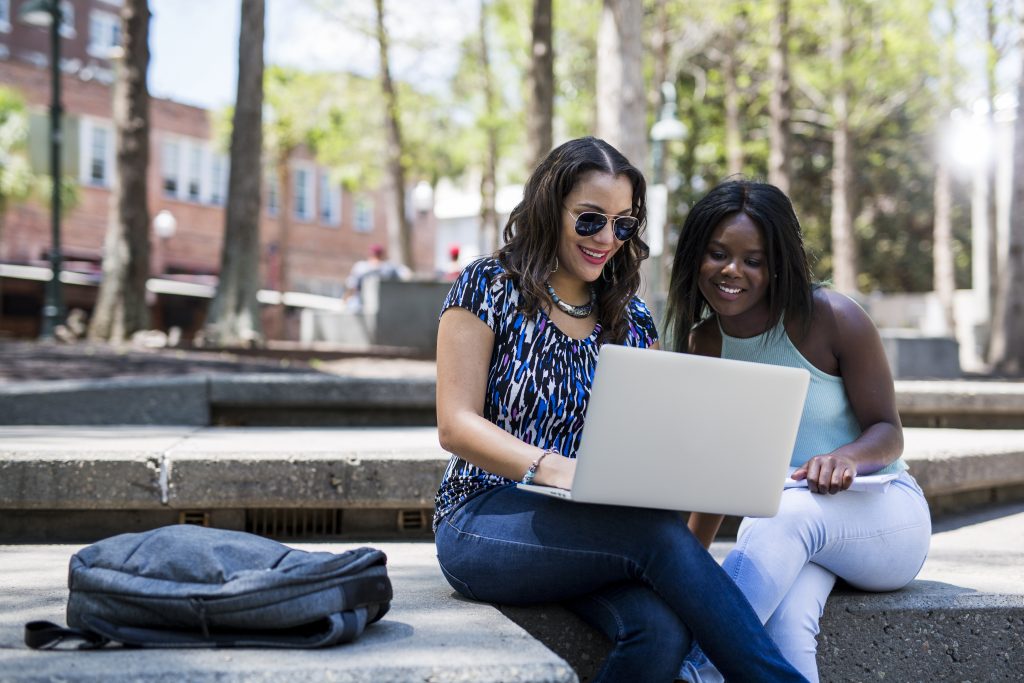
point(828, 421)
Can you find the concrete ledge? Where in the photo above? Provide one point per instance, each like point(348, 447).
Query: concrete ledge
point(75, 468)
point(427, 636)
point(387, 398)
point(917, 356)
point(966, 404)
point(161, 401)
point(312, 399)
point(961, 620)
point(53, 468)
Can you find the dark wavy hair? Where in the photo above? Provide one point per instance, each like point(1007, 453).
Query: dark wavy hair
point(790, 283)
point(533, 229)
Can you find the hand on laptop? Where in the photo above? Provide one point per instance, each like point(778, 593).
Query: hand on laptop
point(827, 473)
point(556, 470)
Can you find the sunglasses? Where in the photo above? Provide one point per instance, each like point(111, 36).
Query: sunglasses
point(591, 222)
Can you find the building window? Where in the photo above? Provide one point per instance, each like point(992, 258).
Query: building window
point(363, 219)
point(104, 33)
point(330, 201)
point(96, 153)
point(303, 194)
point(272, 194)
point(218, 178)
point(195, 173)
point(98, 157)
point(5, 16)
point(170, 157)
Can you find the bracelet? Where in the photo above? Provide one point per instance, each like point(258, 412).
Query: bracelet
point(532, 472)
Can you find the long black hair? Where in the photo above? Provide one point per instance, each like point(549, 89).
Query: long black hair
point(790, 280)
point(533, 230)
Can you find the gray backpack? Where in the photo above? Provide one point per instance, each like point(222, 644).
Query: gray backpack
point(191, 586)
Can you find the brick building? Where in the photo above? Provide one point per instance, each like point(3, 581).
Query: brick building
point(330, 227)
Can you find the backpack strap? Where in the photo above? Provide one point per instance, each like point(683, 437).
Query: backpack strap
point(46, 635)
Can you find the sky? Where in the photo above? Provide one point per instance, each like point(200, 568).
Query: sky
point(194, 43)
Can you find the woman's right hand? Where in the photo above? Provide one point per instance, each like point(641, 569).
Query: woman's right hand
point(556, 470)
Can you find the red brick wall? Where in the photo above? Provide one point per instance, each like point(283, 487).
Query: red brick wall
point(318, 252)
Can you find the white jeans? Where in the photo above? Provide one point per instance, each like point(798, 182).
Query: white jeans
point(786, 565)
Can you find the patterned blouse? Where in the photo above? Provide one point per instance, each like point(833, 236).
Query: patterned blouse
point(539, 380)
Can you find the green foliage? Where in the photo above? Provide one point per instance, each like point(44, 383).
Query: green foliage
point(894, 105)
point(16, 177)
point(17, 180)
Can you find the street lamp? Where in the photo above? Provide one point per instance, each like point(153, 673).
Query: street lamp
point(164, 227)
point(165, 224)
point(47, 14)
point(666, 129)
point(423, 197)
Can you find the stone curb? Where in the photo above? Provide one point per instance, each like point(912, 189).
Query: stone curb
point(312, 398)
point(92, 468)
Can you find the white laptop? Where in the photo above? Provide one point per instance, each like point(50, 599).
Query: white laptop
point(683, 432)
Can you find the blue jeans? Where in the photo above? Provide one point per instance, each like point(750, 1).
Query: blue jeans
point(637, 574)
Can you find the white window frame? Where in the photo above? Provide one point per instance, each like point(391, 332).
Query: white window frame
point(218, 178)
point(307, 211)
point(328, 200)
point(363, 213)
point(273, 194)
point(86, 156)
point(109, 37)
point(195, 173)
point(167, 168)
point(5, 16)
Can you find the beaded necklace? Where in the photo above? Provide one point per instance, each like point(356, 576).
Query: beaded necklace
point(575, 311)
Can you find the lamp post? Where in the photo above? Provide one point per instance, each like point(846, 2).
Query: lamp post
point(47, 14)
point(666, 129)
point(164, 226)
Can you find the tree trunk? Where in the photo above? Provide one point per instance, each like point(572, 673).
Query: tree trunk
point(779, 104)
point(620, 79)
point(284, 233)
point(943, 269)
point(1008, 326)
point(991, 86)
point(942, 250)
point(733, 135)
point(844, 252)
point(234, 318)
point(121, 303)
point(488, 183)
point(542, 84)
point(399, 231)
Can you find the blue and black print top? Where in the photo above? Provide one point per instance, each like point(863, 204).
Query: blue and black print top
point(539, 380)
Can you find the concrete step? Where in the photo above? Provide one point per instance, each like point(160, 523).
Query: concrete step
point(373, 480)
point(427, 636)
point(395, 392)
point(962, 620)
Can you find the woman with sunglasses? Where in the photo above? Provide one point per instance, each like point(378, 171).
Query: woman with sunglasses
point(517, 346)
point(742, 288)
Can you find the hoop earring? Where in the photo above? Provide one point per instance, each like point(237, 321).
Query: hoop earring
point(555, 269)
point(604, 273)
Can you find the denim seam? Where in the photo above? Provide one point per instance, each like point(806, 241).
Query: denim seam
point(593, 553)
point(620, 628)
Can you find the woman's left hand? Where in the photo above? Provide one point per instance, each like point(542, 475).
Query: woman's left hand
point(827, 473)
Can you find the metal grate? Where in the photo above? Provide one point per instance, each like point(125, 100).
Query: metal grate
point(412, 520)
point(293, 522)
point(197, 517)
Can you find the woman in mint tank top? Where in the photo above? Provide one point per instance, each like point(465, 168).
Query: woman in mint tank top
point(741, 288)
